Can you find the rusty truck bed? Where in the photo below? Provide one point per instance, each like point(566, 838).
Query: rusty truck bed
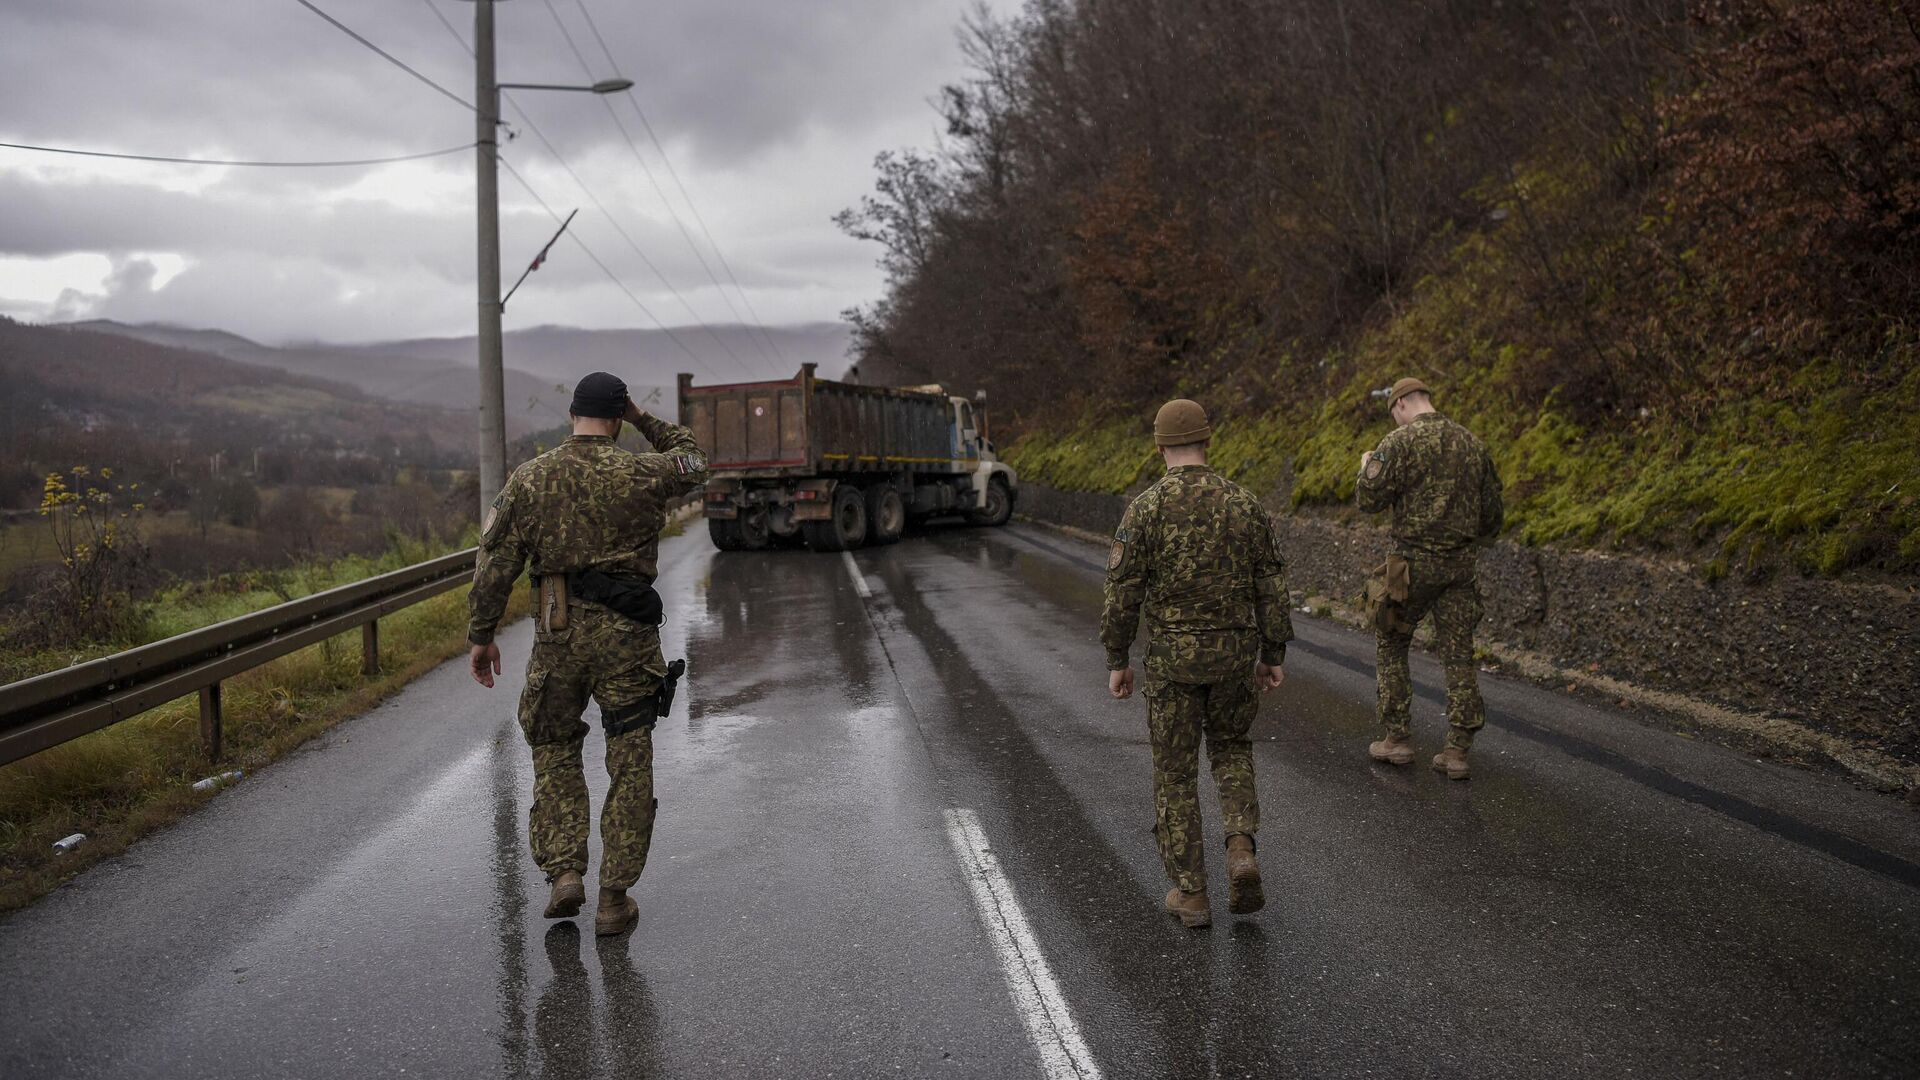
point(806, 426)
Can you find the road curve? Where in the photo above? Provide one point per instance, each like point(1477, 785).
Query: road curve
point(904, 832)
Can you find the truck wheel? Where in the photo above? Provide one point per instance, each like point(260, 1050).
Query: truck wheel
point(886, 515)
point(726, 534)
point(999, 505)
point(753, 529)
point(743, 533)
point(846, 529)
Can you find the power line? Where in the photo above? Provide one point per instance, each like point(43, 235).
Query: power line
point(624, 235)
point(611, 276)
point(389, 57)
point(595, 199)
point(435, 8)
point(681, 187)
point(252, 164)
point(654, 181)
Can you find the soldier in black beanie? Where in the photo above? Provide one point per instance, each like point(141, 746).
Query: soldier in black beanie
point(584, 518)
point(600, 396)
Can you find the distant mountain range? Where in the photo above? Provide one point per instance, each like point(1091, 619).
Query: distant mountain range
point(77, 378)
point(542, 362)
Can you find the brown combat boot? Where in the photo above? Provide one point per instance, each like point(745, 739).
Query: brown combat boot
point(569, 892)
point(618, 913)
point(1192, 908)
point(1244, 896)
point(1391, 750)
point(1452, 761)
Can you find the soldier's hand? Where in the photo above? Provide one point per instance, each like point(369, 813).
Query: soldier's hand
point(634, 412)
point(1268, 676)
point(1120, 683)
point(485, 663)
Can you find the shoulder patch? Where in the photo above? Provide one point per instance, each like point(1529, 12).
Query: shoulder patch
point(1375, 466)
point(1117, 556)
point(686, 463)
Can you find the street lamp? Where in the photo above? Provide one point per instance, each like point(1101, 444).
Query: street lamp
point(604, 86)
point(493, 407)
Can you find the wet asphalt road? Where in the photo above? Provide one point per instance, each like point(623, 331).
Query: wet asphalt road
point(1603, 898)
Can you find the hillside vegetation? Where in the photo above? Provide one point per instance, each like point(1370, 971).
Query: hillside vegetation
point(1663, 255)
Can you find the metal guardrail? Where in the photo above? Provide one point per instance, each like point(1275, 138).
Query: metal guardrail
point(58, 706)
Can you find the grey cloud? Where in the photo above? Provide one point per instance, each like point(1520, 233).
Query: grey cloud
point(771, 108)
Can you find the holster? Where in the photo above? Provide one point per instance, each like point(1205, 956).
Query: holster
point(551, 602)
point(1384, 598)
point(647, 711)
point(675, 669)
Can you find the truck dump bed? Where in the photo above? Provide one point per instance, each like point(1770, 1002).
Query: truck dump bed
point(807, 426)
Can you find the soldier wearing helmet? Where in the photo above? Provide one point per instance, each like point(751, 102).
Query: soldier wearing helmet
point(1196, 554)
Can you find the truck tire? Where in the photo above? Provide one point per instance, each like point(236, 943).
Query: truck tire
point(886, 515)
point(738, 534)
point(999, 505)
point(725, 533)
point(844, 529)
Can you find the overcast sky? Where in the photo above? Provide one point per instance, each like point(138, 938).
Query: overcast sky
point(770, 110)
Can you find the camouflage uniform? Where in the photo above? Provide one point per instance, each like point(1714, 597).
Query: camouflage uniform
point(1197, 552)
point(1441, 485)
point(587, 505)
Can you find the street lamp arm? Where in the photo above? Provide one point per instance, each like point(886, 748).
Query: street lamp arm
point(604, 86)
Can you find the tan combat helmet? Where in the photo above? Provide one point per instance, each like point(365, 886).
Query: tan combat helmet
point(1181, 422)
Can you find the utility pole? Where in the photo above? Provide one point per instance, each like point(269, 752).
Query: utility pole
point(493, 406)
point(486, 140)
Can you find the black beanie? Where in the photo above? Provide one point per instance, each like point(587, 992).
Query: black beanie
point(601, 396)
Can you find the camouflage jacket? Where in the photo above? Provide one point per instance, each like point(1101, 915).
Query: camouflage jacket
point(1196, 551)
point(583, 505)
point(1441, 485)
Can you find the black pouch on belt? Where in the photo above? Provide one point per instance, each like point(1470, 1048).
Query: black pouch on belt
point(633, 598)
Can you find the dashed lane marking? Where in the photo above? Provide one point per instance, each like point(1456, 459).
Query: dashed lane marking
point(1036, 997)
point(859, 579)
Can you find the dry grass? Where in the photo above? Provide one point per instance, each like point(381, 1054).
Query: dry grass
point(122, 782)
point(29, 542)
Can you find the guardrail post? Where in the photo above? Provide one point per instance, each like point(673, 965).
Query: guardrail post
point(210, 721)
point(370, 647)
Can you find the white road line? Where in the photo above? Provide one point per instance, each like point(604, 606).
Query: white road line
point(1036, 997)
point(859, 579)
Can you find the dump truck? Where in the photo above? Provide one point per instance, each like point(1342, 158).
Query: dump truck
point(837, 465)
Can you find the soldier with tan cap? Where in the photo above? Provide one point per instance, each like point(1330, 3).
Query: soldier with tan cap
point(1196, 553)
point(1444, 491)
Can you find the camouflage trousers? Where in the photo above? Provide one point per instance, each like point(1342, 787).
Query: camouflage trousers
point(617, 663)
point(1179, 715)
point(1449, 589)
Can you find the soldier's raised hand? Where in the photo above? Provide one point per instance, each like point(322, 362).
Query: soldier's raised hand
point(1120, 683)
point(634, 412)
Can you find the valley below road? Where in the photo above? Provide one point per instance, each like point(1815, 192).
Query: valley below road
point(904, 831)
